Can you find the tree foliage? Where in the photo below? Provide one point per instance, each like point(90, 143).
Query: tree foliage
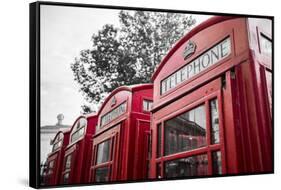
point(128, 54)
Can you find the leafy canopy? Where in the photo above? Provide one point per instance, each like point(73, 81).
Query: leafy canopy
point(128, 54)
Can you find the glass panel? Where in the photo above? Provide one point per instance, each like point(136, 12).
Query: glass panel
point(113, 114)
point(168, 85)
point(186, 131)
point(266, 45)
point(51, 166)
point(57, 145)
point(163, 86)
point(65, 178)
point(68, 162)
point(102, 174)
point(216, 157)
point(211, 57)
point(190, 166)
point(268, 76)
point(103, 152)
point(146, 105)
point(214, 113)
point(159, 175)
point(183, 72)
point(173, 81)
point(159, 141)
point(75, 136)
point(178, 77)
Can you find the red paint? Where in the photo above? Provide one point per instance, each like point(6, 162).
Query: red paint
point(124, 135)
point(56, 156)
point(241, 84)
point(79, 150)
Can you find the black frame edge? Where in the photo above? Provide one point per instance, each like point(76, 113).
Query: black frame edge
point(34, 132)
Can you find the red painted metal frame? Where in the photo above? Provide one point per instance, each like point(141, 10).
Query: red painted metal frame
point(80, 151)
point(57, 156)
point(239, 83)
point(126, 133)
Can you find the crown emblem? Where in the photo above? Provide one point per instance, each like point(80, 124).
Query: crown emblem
point(113, 101)
point(189, 49)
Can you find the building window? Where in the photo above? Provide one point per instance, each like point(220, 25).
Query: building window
point(103, 152)
point(102, 174)
point(68, 162)
point(186, 131)
point(146, 105)
point(159, 140)
point(217, 167)
point(214, 114)
point(79, 130)
point(184, 167)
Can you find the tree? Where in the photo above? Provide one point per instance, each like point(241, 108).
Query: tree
point(127, 55)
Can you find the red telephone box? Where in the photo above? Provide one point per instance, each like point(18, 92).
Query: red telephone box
point(77, 154)
point(212, 109)
point(120, 144)
point(55, 158)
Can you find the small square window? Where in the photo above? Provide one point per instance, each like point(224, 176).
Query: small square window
point(146, 105)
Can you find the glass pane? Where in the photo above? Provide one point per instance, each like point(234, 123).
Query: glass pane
point(159, 141)
point(159, 175)
point(186, 131)
point(102, 174)
point(103, 152)
point(266, 45)
point(57, 145)
point(190, 166)
point(173, 81)
point(51, 167)
point(163, 86)
point(215, 133)
point(268, 76)
point(78, 134)
point(216, 157)
point(146, 105)
point(68, 162)
point(65, 178)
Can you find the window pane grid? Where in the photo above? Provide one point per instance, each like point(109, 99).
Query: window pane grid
point(214, 114)
point(176, 141)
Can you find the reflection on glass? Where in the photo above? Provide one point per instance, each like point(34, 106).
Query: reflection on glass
point(215, 133)
point(103, 152)
point(159, 140)
point(186, 131)
point(184, 167)
point(102, 174)
point(216, 157)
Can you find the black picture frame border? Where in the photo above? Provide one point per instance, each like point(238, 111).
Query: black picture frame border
point(34, 88)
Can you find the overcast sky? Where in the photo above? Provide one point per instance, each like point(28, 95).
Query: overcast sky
point(65, 31)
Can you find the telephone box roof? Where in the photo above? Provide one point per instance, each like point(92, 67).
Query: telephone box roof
point(211, 21)
point(131, 88)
